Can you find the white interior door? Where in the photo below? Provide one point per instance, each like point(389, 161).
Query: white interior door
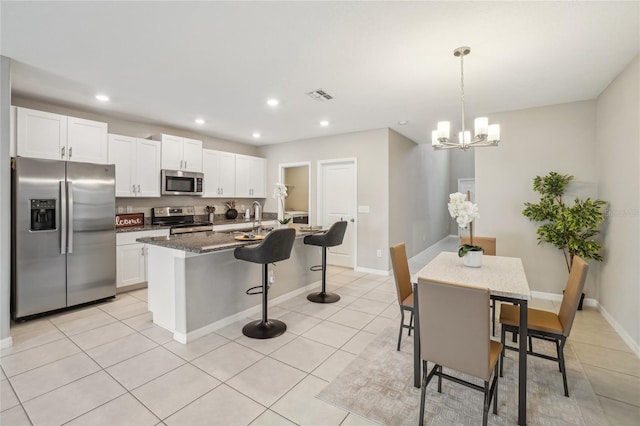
point(337, 201)
point(464, 185)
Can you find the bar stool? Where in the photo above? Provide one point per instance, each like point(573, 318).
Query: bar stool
point(332, 237)
point(275, 247)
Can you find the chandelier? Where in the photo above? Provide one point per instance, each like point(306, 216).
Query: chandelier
point(485, 134)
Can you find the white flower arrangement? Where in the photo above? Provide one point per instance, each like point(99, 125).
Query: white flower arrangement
point(462, 210)
point(280, 192)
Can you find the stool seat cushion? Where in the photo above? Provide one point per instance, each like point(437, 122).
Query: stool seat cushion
point(275, 247)
point(331, 238)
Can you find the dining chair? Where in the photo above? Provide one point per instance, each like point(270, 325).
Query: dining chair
point(547, 325)
point(404, 287)
point(454, 333)
point(488, 245)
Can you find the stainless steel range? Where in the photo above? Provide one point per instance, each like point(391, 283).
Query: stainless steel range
point(181, 219)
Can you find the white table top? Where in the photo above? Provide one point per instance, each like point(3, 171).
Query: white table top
point(504, 276)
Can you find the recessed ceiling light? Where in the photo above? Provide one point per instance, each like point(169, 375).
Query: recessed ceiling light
point(256, 135)
point(403, 122)
point(102, 98)
point(324, 123)
point(199, 121)
point(273, 102)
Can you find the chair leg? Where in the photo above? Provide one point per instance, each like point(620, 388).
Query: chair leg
point(502, 337)
point(530, 344)
point(411, 323)
point(564, 370)
point(440, 379)
point(493, 317)
point(423, 392)
point(401, 326)
point(323, 296)
point(264, 328)
point(495, 391)
point(485, 407)
point(558, 353)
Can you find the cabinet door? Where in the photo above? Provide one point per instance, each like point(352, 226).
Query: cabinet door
point(258, 177)
point(192, 155)
point(86, 141)
point(148, 168)
point(130, 264)
point(171, 152)
point(227, 176)
point(211, 170)
point(41, 134)
point(122, 153)
point(243, 180)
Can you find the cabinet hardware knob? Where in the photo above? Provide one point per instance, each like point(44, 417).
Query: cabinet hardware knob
point(70, 152)
point(62, 152)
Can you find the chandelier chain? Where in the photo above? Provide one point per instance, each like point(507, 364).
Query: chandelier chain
point(462, 89)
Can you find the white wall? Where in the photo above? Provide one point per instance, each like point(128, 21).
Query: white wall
point(535, 141)
point(371, 150)
point(418, 194)
point(5, 201)
point(618, 163)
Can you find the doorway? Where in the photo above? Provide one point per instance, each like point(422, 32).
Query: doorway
point(297, 178)
point(337, 198)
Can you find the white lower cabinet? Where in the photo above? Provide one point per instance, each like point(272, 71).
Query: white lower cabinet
point(131, 256)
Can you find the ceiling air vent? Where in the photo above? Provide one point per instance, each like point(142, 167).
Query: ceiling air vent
point(320, 95)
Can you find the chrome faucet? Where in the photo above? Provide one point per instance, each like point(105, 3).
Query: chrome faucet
point(257, 214)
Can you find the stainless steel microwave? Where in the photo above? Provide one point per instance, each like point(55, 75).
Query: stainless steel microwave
point(177, 182)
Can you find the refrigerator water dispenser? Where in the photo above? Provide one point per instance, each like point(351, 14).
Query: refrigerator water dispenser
point(43, 215)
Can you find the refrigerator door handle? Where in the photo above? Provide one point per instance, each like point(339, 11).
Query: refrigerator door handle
point(70, 217)
point(63, 218)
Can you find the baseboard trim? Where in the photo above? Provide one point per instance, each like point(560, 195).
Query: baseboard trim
point(554, 297)
point(373, 271)
point(7, 342)
point(635, 347)
point(203, 331)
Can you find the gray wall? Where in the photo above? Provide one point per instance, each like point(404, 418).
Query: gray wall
point(370, 149)
point(417, 194)
point(618, 161)
point(5, 200)
point(535, 141)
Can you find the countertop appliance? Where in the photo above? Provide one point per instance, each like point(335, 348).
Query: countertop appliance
point(63, 235)
point(298, 216)
point(181, 219)
point(177, 182)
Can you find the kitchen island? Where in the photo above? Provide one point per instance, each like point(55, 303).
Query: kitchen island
point(196, 285)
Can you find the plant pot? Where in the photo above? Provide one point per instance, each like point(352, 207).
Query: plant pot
point(231, 214)
point(472, 259)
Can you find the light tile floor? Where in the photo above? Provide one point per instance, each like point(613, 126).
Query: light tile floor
point(108, 364)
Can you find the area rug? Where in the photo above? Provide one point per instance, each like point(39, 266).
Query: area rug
point(378, 385)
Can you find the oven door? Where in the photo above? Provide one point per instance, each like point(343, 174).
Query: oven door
point(176, 182)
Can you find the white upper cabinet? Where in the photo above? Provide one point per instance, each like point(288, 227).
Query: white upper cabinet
point(219, 170)
point(86, 141)
point(58, 137)
point(250, 176)
point(180, 153)
point(137, 166)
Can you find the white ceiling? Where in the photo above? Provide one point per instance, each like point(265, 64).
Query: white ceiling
point(383, 62)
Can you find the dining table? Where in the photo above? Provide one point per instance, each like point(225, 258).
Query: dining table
point(507, 282)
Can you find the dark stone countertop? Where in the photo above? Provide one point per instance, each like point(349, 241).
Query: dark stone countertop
point(206, 242)
point(217, 221)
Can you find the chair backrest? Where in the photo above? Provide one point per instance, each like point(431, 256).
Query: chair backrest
point(454, 326)
point(333, 237)
point(401, 271)
point(488, 244)
point(275, 247)
point(571, 298)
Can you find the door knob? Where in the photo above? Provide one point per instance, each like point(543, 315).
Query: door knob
point(352, 220)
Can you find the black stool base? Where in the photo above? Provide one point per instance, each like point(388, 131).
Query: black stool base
point(264, 330)
point(323, 297)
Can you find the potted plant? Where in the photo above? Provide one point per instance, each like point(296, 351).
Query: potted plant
point(464, 212)
point(231, 212)
point(569, 227)
point(280, 192)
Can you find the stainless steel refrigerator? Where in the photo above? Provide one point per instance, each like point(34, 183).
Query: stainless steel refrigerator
point(63, 235)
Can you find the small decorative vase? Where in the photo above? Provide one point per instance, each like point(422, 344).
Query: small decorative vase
point(472, 259)
point(231, 214)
